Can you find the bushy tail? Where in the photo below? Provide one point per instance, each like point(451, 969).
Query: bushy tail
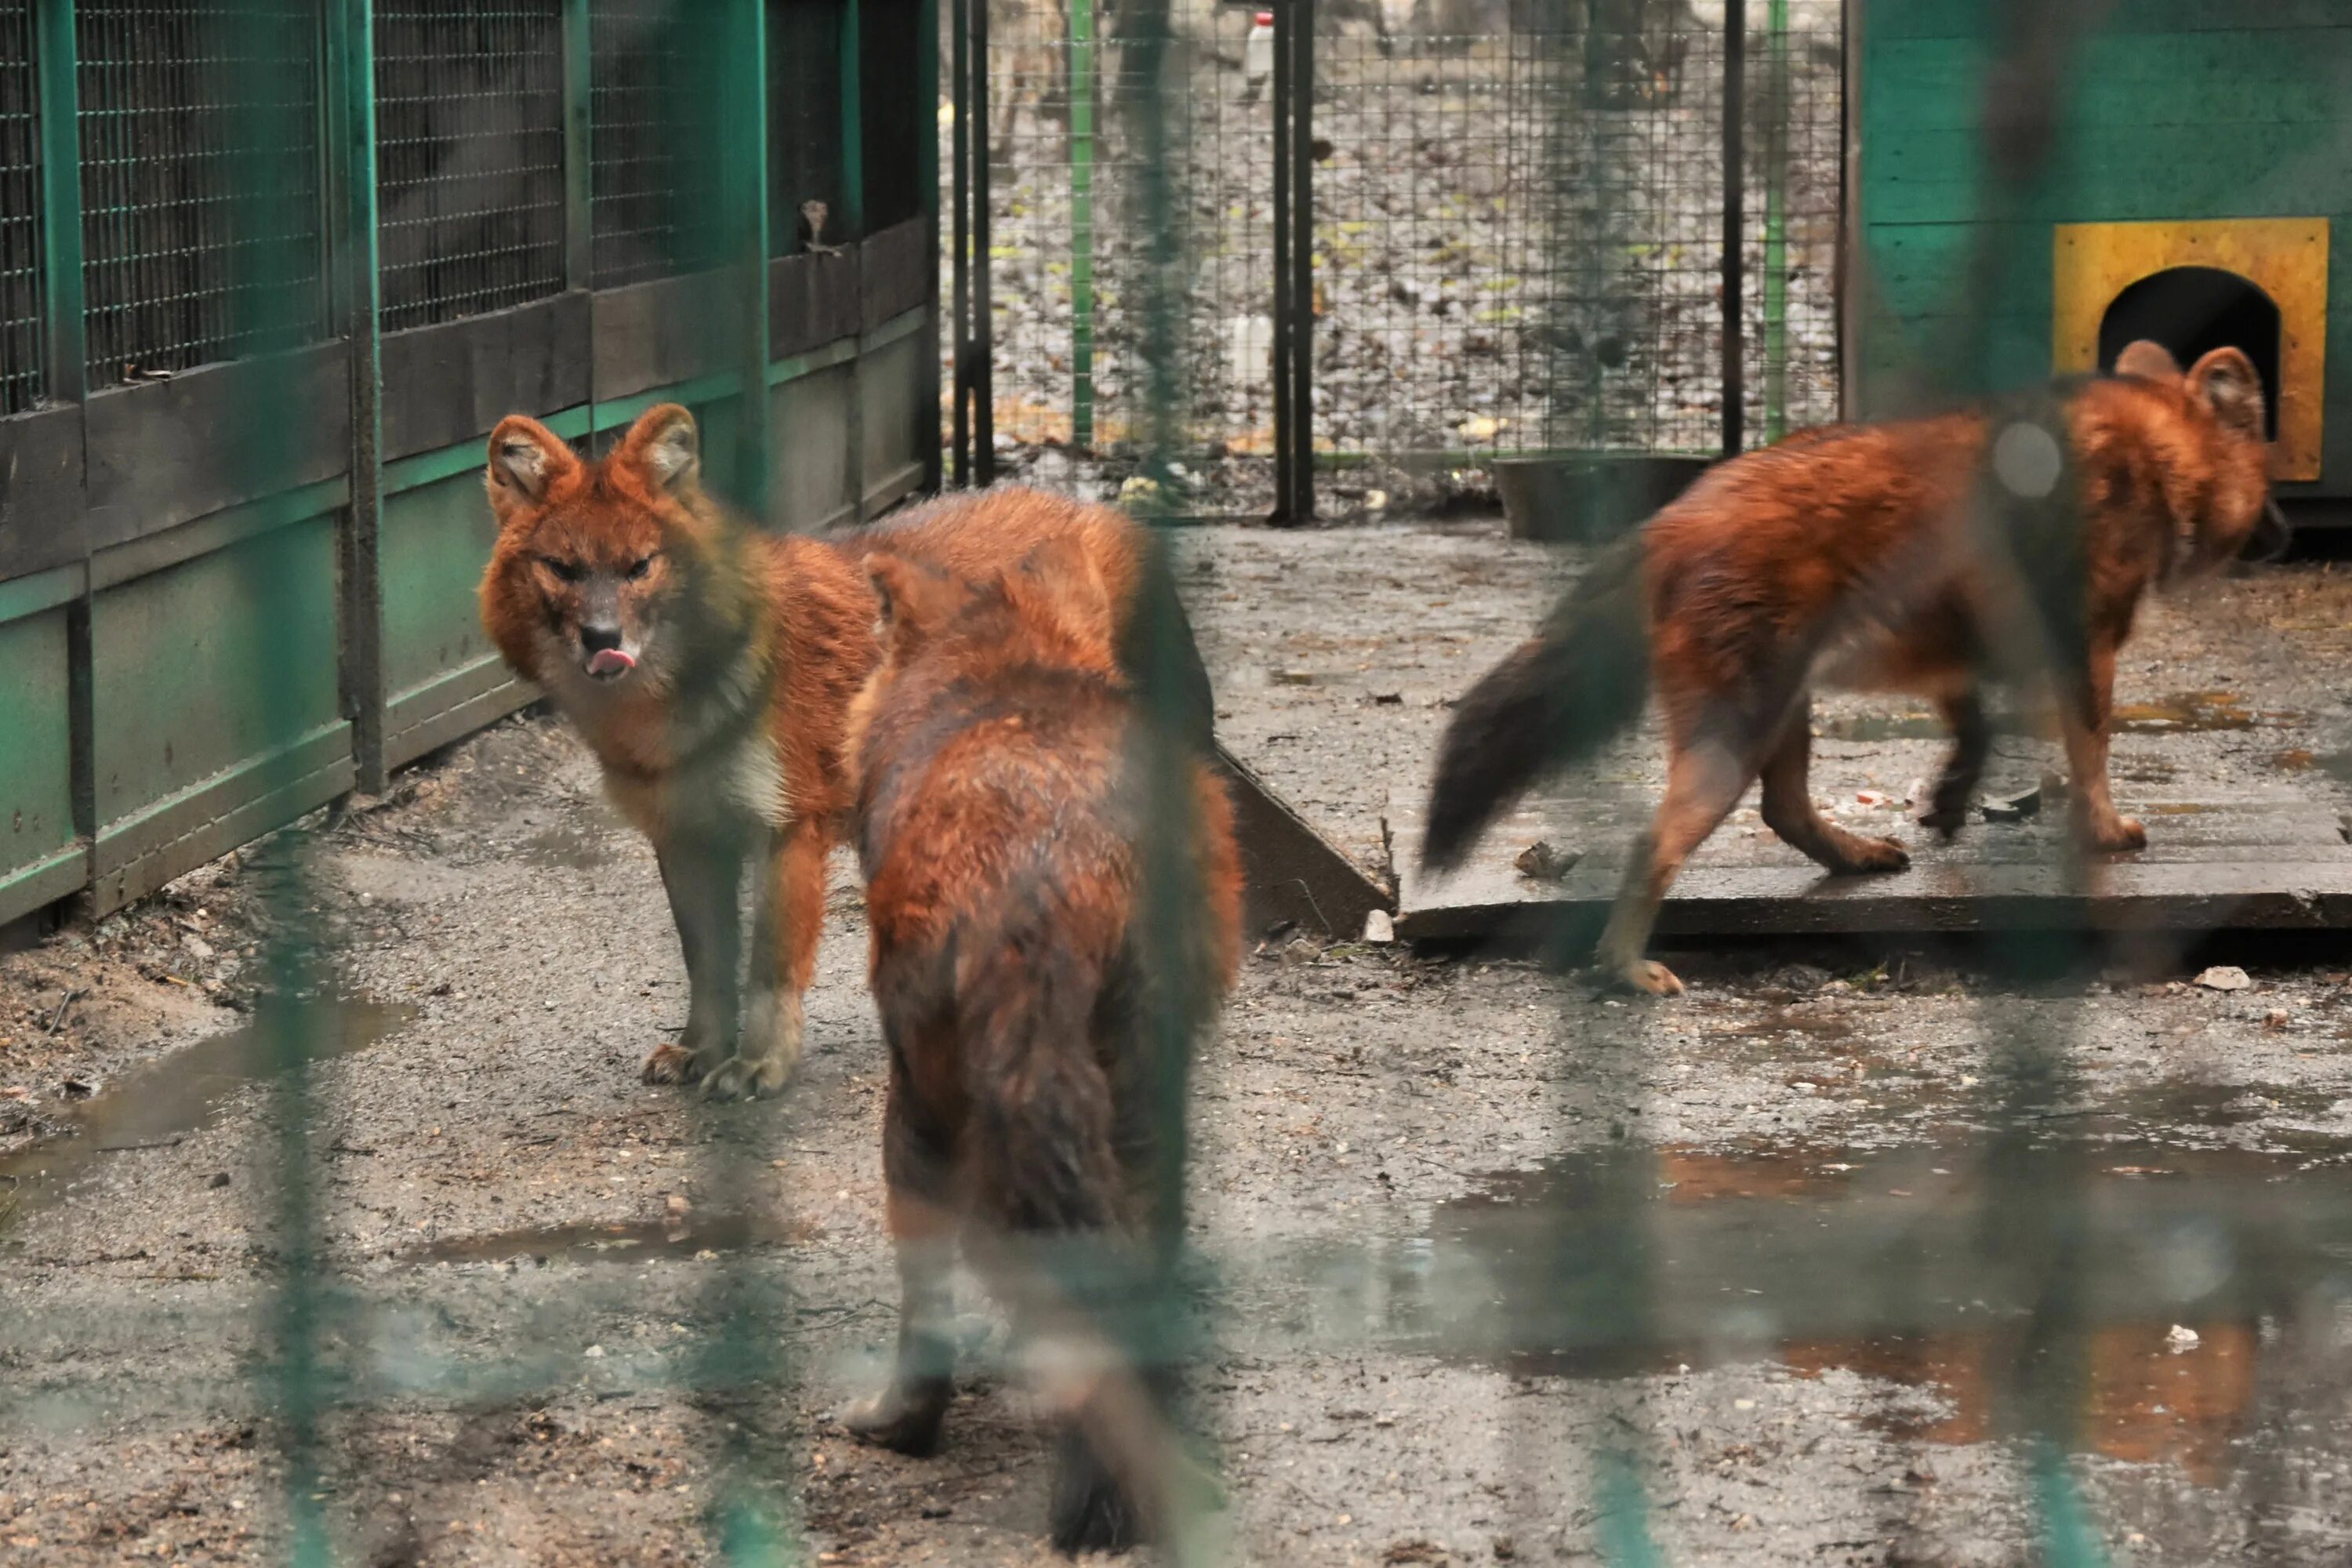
point(1556, 700)
point(1044, 1137)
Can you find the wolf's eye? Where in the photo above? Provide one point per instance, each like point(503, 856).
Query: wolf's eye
point(638, 568)
point(567, 571)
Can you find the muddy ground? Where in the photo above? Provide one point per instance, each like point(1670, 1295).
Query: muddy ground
point(1820, 1348)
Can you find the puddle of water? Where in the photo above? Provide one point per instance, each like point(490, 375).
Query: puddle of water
point(683, 1237)
point(2181, 712)
point(1816, 1023)
point(2147, 1395)
point(1888, 1263)
point(161, 1103)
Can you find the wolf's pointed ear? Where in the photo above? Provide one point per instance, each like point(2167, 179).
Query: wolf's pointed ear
point(911, 596)
point(525, 459)
point(2226, 381)
point(1060, 578)
point(666, 447)
point(2149, 361)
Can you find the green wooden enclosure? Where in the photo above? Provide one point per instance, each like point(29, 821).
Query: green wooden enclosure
point(2194, 167)
point(499, 207)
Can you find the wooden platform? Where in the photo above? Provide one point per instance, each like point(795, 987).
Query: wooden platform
point(2277, 862)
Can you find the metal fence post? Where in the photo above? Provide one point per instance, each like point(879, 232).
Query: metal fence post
point(984, 320)
point(1082, 224)
point(65, 373)
point(926, 180)
point(743, 138)
point(579, 215)
point(65, 376)
point(1735, 264)
point(853, 199)
point(960, 156)
point(1301, 155)
point(1284, 301)
point(354, 244)
point(1776, 226)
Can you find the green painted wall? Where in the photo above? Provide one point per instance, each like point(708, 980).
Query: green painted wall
point(434, 542)
point(179, 684)
point(36, 763)
point(2173, 110)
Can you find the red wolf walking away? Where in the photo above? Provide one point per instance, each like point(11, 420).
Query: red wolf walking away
point(1038, 1001)
point(1855, 556)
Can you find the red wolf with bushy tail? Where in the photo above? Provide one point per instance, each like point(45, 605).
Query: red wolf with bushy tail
point(1856, 556)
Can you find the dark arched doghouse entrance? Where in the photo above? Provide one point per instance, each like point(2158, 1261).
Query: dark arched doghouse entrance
point(2193, 310)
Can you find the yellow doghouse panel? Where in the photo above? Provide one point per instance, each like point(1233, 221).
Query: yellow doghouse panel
point(2286, 257)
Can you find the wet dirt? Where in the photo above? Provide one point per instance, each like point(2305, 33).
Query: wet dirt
point(1359, 1124)
point(158, 1105)
point(698, 1238)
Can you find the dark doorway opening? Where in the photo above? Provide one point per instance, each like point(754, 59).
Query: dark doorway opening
point(2193, 310)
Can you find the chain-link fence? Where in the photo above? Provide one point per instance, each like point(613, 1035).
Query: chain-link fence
point(1488, 276)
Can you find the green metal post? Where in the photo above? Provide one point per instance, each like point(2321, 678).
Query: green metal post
point(271, 230)
point(853, 201)
point(927, 178)
point(743, 136)
point(64, 375)
point(1082, 224)
point(853, 122)
point(1776, 226)
point(579, 223)
point(751, 1516)
point(350, 102)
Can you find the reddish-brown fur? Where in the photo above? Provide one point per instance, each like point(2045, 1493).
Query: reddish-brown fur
point(1008, 792)
point(724, 742)
point(1874, 558)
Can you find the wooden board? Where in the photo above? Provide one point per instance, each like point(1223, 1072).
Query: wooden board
point(2278, 863)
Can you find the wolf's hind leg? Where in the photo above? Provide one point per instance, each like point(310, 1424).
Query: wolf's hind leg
point(1789, 808)
point(1947, 805)
point(907, 1413)
point(1705, 779)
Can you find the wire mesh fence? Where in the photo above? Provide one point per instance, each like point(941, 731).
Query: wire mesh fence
point(1869, 1265)
point(172, 183)
point(651, 200)
point(469, 129)
point(1489, 275)
point(23, 342)
point(1069, 107)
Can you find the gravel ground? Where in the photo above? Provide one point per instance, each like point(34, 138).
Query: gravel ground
point(1828, 1258)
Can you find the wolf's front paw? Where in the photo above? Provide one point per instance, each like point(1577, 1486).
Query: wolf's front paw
point(905, 1420)
point(1646, 976)
point(1878, 855)
point(2112, 834)
point(671, 1063)
point(741, 1077)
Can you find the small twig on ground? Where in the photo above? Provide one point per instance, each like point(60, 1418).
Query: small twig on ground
point(57, 1019)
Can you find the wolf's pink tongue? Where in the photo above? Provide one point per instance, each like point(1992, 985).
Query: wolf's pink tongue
point(611, 661)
